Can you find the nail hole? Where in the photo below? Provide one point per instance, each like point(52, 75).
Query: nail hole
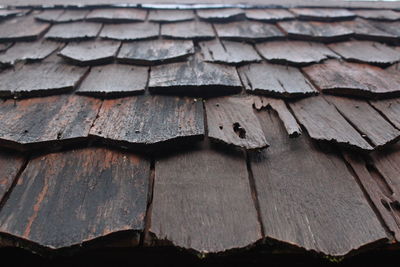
point(239, 130)
point(221, 127)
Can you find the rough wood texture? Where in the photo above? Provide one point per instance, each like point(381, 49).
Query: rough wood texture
point(231, 120)
point(125, 80)
point(228, 52)
point(49, 15)
point(194, 77)
point(390, 109)
point(248, 31)
point(54, 78)
point(170, 15)
point(155, 51)
point(308, 197)
point(130, 31)
point(67, 198)
point(268, 15)
point(366, 120)
point(90, 52)
point(72, 16)
point(392, 28)
point(24, 28)
point(11, 163)
point(30, 51)
point(202, 201)
point(324, 122)
point(144, 120)
point(117, 15)
point(323, 14)
point(37, 121)
point(278, 80)
point(316, 31)
point(377, 14)
point(289, 122)
point(297, 53)
point(188, 30)
point(363, 29)
point(345, 78)
point(366, 51)
point(73, 31)
point(221, 15)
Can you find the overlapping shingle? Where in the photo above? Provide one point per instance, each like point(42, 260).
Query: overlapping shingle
point(130, 31)
point(392, 28)
point(11, 164)
point(323, 14)
point(188, 30)
point(365, 30)
point(49, 15)
point(246, 30)
point(73, 31)
point(24, 28)
point(268, 15)
point(117, 15)
point(6, 13)
point(170, 15)
point(390, 109)
point(61, 15)
point(220, 15)
point(377, 14)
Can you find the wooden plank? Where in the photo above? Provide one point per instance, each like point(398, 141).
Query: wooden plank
point(323, 14)
point(268, 15)
point(155, 51)
point(307, 196)
point(73, 31)
point(366, 120)
point(45, 121)
point(55, 78)
point(115, 80)
point(390, 109)
point(366, 52)
point(344, 78)
point(24, 28)
point(188, 30)
point(149, 120)
point(228, 52)
point(130, 31)
point(29, 51)
point(289, 122)
point(231, 120)
point(221, 15)
point(315, 31)
point(117, 15)
point(248, 31)
point(377, 14)
point(324, 122)
point(67, 198)
point(160, 15)
point(277, 80)
point(363, 29)
point(90, 52)
point(11, 164)
point(297, 53)
point(202, 201)
point(194, 77)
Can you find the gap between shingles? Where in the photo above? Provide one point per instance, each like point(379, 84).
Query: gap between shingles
point(383, 115)
point(145, 237)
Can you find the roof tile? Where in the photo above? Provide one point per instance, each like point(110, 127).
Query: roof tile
point(390, 109)
point(23, 28)
point(61, 15)
point(6, 13)
point(268, 15)
point(188, 30)
point(11, 164)
point(73, 31)
point(170, 15)
point(323, 14)
point(245, 30)
point(364, 29)
point(393, 28)
point(49, 15)
point(130, 31)
point(377, 14)
point(220, 15)
point(117, 15)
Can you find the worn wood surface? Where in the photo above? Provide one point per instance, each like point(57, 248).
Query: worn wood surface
point(366, 52)
point(289, 122)
point(130, 31)
point(366, 120)
point(90, 52)
point(248, 31)
point(49, 15)
point(323, 14)
point(231, 120)
point(161, 15)
point(145, 120)
point(269, 15)
point(188, 30)
point(363, 29)
point(194, 77)
point(277, 80)
point(377, 14)
point(67, 198)
point(73, 31)
point(340, 77)
point(24, 28)
point(392, 28)
point(155, 51)
point(54, 78)
point(315, 31)
point(126, 80)
point(4, 46)
point(11, 164)
point(390, 109)
point(117, 15)
point(30, 51)
point(308, 197)
point(72, 16)
point(294, 52)
point(221, 15)
point(202, 201)
point(38, 121)
point(7, 13)
point(324, 122)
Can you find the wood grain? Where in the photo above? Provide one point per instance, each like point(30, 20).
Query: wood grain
point(268, 15)
point(221, 15)
point(363, 29)
point(11, 164)
point(67, 198)
point(248, 31)
point(160, 15)
point(377, 14)
point(75, 31)
point(130, 31)
point(390, 108)
point(195, 30)
point(202, 202)
point(24, 28)
point(231, 120)
point(308, 198)
point(117, 15)
point(323, 14)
